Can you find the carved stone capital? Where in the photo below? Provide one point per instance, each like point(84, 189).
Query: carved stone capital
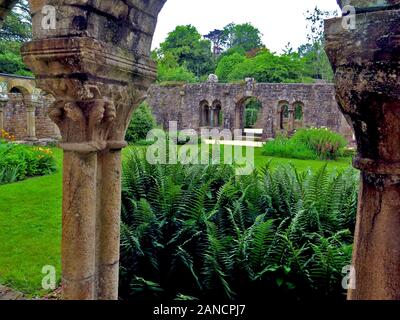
point(94, 116)
point(96, 88)
point(367, 76)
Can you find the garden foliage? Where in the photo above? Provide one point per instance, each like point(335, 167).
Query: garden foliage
point(18, 162)
point(200, 232)
point(308, 144)
point(142, 122)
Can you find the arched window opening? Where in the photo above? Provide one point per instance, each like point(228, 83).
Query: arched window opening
point(19, 90)
point(16, 90)
point(284, 115)
point(298, 109)
point(298, 113)
point(252, 108)
point(204, 114)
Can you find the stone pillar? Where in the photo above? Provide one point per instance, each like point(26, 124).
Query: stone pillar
point(212, 118)
point(216, 117)
point(366, 65)
point(96, 65)
point(291, 119)
point(3, 103)
point(30, 119)
point(1, 117)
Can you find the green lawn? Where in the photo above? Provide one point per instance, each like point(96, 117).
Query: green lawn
point(301, 165)
point(30, 223)
point(30, 232)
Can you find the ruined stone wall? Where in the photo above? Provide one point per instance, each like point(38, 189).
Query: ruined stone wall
point(15, 118)
point(26, 85)
point(45, 127)
point(182, 104)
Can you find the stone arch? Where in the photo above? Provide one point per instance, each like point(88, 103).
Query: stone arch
point(15, 89)
point(298, 108)
point(283, 115)
point(240, 110)
point(205, 111)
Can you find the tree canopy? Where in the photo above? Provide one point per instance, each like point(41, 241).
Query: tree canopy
point(233, 53)
point(16, 29)
point(265, 66)
point(186, 45)
point(244, 37)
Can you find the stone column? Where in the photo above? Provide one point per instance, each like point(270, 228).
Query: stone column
point(216, 117)
point(3, 103)
point(96, 65)
point(366, 64)
point(291, 119)
point(30, 119)
point(212, 118)
point(1, 117)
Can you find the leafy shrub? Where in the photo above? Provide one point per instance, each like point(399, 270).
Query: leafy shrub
point(176, 74)
point(308, 144)
point(142, 122)
point(283, 147)
point(18, 162)
point(324, 142)
point(202, 232)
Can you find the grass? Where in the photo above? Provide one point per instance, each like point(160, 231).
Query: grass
point(30, 232)
point(301, 165)
point(30, 223)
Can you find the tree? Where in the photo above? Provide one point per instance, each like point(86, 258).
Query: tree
point(316, 59)
point(142, 122)
point(265, 66)
point(242, 36)
point(16, 29)
point(18, 24)
point(227, 64)
point(218, 40)
point(170, 71)
point(191, 51)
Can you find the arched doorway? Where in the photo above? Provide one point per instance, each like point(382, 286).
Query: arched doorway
point(248, 110)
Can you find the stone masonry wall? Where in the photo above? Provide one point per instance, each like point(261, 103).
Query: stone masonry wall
point(15, 118)
point(183, 104)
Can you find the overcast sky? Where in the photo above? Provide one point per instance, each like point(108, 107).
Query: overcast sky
point(280, 21)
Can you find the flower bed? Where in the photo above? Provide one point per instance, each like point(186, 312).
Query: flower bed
point(19, 162)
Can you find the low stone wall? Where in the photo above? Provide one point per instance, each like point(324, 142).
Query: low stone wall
point(183, 103)
point(15, 118)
